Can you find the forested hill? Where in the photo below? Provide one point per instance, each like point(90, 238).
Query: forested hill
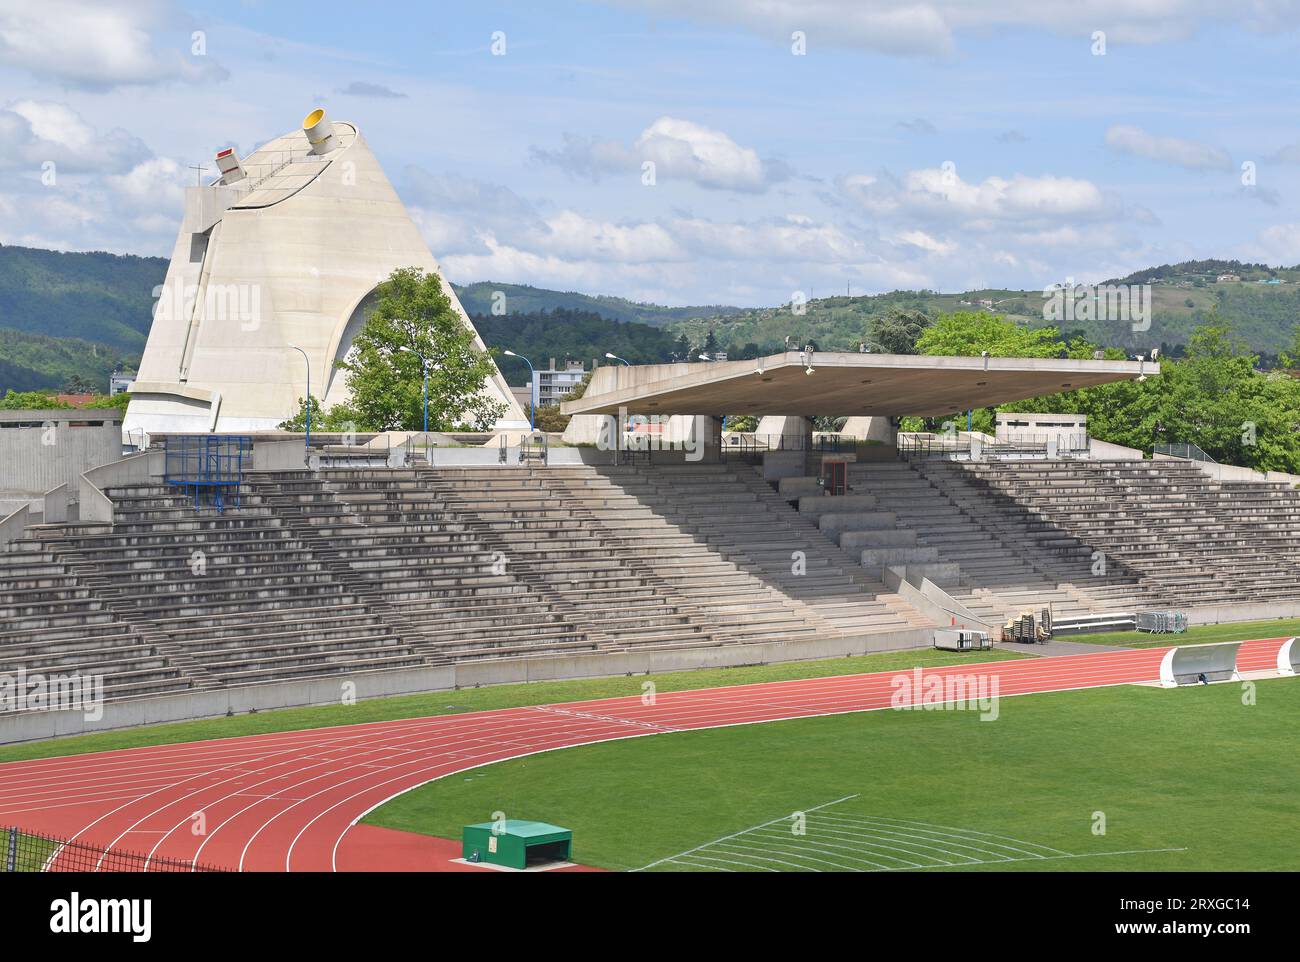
point(65, 315)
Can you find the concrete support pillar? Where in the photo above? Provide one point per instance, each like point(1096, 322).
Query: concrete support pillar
point(791, 427)
point(709, 435)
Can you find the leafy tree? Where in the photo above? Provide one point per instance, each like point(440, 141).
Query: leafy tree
point(412, 311)
point(106, 401)
point(31, 401)
point(338, 418)
point(550, 419)
point(742, 422)
point(970, 333)
point(898, 329)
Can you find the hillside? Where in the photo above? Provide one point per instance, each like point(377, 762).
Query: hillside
point(1263, 308)
point(65, 314)
point(564, 333)
point(522, 299)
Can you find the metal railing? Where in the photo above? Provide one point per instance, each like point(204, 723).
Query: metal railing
point(963, 446)
point(24, 851)
point(534, 447)
point(210, 466)
point(821, 441)
point(1184, 449)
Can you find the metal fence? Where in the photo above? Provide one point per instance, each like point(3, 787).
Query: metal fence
point(827, 441)
point(23, 851)
point(1162, 622)
point(1192, 452)
point(964, 447)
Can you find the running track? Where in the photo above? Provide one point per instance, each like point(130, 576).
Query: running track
point(289, 801)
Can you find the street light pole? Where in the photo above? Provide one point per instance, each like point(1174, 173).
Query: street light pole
point(532, 379)
point(307, 360)
point(424, 366)
point(615, 357)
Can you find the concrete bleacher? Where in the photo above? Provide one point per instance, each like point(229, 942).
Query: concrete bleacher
point(357, 568)
point(226, 599)
point(1190, 540)
point(361, 568)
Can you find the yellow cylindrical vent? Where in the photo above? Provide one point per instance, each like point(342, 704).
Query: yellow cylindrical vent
point(320, 131)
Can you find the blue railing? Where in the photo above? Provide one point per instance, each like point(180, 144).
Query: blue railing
point(209, 466)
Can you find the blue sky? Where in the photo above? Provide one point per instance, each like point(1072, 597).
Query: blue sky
point(944, 144)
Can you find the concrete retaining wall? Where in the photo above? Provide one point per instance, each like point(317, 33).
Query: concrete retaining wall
point(13, 525)
point(1246, 611)
point(37, 725)
point(1105, 451)
point(56, 505)
point(1229, 473)
point(935, 603)
point(57, 447)
point(138, 468)
point(279, 456)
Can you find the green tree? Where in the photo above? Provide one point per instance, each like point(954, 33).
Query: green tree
point(412, 311)
point(338, 418)
point(30, 401)
point(897, 330)
point(970, 333)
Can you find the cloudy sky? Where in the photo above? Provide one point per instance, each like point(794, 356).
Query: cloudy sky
point(797, 145)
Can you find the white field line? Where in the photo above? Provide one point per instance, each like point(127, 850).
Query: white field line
point(758, 847)
point(725, 838)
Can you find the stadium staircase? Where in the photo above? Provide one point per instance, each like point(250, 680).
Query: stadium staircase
point(895, 515)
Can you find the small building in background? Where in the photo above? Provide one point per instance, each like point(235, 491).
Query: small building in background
point(553, 384)
point(119, 383)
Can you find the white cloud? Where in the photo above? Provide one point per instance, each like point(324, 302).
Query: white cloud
point(101, 43)
point(940, 194)
point(679, 149)
point(1282, 241)
point(33, 132)
point(919, 238)
point(930, 27)
point(1169, 150)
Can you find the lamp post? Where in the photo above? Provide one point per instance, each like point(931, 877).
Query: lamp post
point(615, 357)
point(532, 398)
point(307, 360)
point(424, 365)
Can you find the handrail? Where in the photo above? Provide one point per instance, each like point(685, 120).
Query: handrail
point(1189, 451)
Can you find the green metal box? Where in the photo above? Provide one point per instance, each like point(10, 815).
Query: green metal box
point(513, 843)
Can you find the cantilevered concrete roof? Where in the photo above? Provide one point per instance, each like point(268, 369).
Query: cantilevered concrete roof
point(841, 384)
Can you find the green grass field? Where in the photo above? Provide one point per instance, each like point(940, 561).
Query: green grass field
point(1199, 635)
point(481, 699)
point(29, 852)
point(1190, 769)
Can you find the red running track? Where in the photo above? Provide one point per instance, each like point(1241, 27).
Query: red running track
point(289, 801)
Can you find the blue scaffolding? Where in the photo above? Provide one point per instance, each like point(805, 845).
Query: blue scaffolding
point(210, 466)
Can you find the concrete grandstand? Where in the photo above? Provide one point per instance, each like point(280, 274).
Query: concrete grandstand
point(212, 572)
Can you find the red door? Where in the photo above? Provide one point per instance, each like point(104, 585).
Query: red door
point(837, 477)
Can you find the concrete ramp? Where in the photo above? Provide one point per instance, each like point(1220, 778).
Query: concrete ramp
point(1186, 664)
point(1288, 657)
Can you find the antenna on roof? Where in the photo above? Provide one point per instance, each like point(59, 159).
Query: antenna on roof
point(198, 173)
